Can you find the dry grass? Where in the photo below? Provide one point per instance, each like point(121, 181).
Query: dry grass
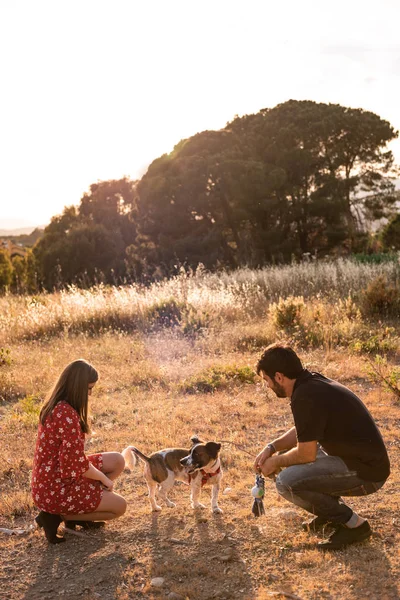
point(141, 399)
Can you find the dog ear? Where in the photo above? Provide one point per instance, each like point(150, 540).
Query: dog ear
point(213, 448)
point(195, 440)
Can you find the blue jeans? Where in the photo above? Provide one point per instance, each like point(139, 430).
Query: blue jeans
point(318, 487)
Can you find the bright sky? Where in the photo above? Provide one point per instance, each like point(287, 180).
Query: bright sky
point(95, 90)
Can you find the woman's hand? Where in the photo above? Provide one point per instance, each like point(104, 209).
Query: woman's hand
point(107, 483)
point(260, 458)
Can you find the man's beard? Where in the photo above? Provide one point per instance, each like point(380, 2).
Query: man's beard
point(278, 390)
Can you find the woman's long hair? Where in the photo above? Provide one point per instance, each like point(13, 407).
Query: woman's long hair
point(72, 387)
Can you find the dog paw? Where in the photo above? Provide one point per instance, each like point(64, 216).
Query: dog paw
point(198, 506)
point(170, 504)
point(156, 508)
point(217, 510)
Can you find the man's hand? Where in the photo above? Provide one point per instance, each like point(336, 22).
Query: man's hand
point(261, 458)
point(269, 466)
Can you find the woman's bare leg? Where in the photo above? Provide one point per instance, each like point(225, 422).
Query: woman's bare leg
point(113, 464)
point(111, 506)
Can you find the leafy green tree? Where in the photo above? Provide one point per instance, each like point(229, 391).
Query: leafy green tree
point(32, 279)
point(86, 244)
point(19, 274)
point(5, 271)
point(203, 203)
point(338, 173)
point(391, 234)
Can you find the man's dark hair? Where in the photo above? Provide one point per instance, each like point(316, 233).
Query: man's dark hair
point(279, 358)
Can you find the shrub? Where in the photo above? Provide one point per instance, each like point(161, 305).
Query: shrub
point(286, 313)
point(381, 372)
point(217, 378)
point(375, 259)
point(254, 342)
point(383, 342)
point(5, 357)
point(380, 298)
point(27, 410)
point(165, 313)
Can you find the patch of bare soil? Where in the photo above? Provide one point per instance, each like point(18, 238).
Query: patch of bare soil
point(179, 554)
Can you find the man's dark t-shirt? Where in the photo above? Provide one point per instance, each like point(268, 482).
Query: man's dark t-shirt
point(326, 411)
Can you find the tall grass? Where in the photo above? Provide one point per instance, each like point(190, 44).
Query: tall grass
point(193, 300)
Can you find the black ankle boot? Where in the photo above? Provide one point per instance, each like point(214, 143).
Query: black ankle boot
point(50, 525)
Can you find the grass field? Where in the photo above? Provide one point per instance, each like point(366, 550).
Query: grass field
point(177, 359)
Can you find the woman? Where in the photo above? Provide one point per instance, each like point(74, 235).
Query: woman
point(67, 485)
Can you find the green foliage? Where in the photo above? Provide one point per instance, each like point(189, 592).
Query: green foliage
point(384, 342)
point(87, 245)
point(286, 313)
point(5, 271)
point(391, 234)
point(285, 182)
point(172, 313)
point(386, 375)
point(5, 357)
point(254, 342)
point(380, 298)
point(282, 182)
point(376, 258)
point(217, 378)
point(26, 411)
point(165, 313)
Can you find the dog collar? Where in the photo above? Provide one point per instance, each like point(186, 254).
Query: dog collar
point(205, 476)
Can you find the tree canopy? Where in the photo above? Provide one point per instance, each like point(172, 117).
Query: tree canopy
point(302, 177)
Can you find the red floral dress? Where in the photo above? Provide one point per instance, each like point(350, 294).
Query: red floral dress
point(58, 484)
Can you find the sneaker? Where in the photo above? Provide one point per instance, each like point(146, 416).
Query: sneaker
point(316, 524)
point(343, 536)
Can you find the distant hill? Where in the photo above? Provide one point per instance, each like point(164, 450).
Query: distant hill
point(19, 231)
point(23, 236)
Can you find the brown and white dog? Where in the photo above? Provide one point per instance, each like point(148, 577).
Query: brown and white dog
point(198, 466)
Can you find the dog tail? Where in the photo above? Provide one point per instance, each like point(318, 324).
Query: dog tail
point(131, 454)
point(195, 439)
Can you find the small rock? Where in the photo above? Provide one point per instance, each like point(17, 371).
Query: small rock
point(177, 541)
point(289, 515)
point(227, 490)
point(157, 582)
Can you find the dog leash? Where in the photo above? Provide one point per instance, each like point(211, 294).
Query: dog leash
point(238, 446)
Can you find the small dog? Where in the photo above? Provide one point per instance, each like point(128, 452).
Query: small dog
point(196, 467)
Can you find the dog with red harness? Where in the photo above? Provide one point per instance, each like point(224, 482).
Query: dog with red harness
point(197, 467)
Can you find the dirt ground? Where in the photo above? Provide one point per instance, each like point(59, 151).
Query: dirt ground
point(201, 556)
point(178, 553)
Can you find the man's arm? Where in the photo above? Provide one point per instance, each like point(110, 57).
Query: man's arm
point(304, 452)
point(285, 442)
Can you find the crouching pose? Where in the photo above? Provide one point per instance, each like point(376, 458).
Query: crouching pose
point(67, 485)
point(334, 450)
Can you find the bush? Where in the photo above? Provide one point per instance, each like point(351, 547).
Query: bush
point(381, 372)
point(375, 259)
point(5, 357)
point(166, 313)
point(286, 313)
point(27, 410)
point(380, 298)
point(217, 378)
point(384, 342)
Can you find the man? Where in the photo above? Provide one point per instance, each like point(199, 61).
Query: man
point(335, 448)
